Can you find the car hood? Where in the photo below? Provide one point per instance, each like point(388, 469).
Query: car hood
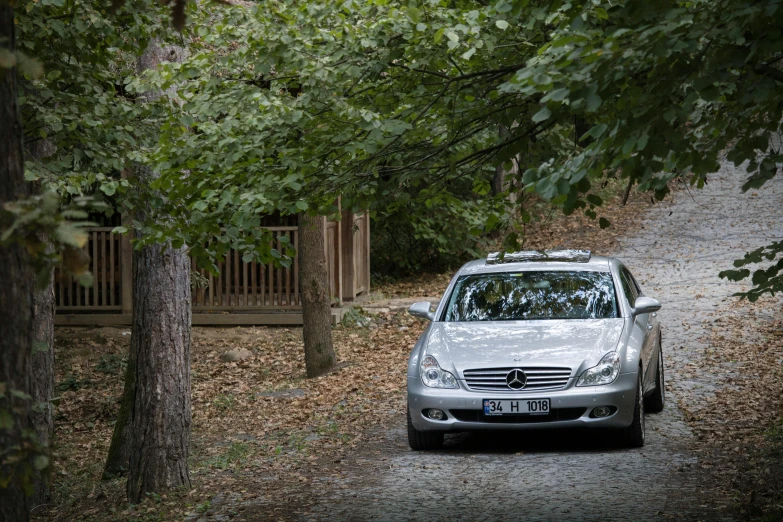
point(571, 342)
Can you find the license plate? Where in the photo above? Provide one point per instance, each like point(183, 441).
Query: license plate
point(516, 407)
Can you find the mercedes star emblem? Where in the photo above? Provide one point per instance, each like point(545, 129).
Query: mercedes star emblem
point(516, 379)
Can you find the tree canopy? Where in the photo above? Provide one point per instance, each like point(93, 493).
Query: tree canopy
point(406, 109)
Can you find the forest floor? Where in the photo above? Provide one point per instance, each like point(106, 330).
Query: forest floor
point(269, 444)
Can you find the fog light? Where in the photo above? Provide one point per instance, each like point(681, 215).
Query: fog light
point(601, 411)
point(436, 414)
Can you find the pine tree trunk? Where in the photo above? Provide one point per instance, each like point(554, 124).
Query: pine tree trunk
point(160, 416)
point(316, 306)
point(16, 300)
point(119, 449)
point(43, 351)
point(159, 363)
point(43, 377)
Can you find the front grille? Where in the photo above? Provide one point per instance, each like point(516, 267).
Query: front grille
point(494, 379)
point(556, 414)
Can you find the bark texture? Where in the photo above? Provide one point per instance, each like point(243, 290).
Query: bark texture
point(16, 302)
point(159, 415)
point(43, 353)
point(43, 378)
point(316, 308)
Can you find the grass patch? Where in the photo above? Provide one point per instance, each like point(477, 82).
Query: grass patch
point(224, 402)
point(111, 364)
point(233, 456)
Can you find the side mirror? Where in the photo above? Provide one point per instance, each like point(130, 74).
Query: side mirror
point(421, 310)
point(646, 305)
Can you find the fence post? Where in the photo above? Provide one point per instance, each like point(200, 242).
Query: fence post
point(126, 263)
point(366, 247)
point(126, 274)
point(348, 245)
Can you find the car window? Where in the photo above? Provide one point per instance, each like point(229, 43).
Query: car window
point(512, 296)
point(635, 284)
point(628, 287)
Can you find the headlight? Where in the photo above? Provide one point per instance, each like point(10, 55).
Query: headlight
point(433, 376)
point(604, 373)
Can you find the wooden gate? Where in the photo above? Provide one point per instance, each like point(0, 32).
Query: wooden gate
point(356, 254)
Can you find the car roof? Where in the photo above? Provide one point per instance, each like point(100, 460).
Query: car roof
point(595, 264)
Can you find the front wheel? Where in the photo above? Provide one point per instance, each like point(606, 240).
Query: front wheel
point(633, 435)
point(423, 440)
point(656, 401)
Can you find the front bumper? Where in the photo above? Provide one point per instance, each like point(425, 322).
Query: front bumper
point(464, 408)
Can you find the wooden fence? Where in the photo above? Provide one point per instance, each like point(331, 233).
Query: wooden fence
point(250, 286)
point(105, 294)
point(242, 293)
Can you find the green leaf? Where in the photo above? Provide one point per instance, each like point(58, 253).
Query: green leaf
point(86, 280)
point(501, 24)
point(603, 223)
point(41, 462)
point(7, 59)
point(467, 54)
point(439, 35)
point(592, 102)
point(542, 115)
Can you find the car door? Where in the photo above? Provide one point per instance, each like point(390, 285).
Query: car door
point(647, 326)
point(653, 335)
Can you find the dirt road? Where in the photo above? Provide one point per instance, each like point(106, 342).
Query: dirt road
point(676, 254)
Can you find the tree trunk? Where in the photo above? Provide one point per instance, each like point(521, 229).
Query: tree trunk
point(16, 304)
point(160, 414)
point(158, 382)
point(43, 378)
point(119, 449)
point(316, 308)
point(43, 352)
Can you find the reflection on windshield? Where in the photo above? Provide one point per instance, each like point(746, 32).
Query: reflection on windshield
point(532, 295)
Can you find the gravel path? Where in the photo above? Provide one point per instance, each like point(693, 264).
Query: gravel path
point(676, 254)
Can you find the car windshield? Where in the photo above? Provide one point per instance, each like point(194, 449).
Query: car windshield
point(513, 296)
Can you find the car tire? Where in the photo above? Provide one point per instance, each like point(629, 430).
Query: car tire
point(655, 402)
point(633, 435)
point(423, 440)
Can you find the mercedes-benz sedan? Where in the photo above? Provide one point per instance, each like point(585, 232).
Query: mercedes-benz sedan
point(555, 339)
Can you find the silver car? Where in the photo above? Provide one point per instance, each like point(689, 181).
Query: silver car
point(554, 339)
